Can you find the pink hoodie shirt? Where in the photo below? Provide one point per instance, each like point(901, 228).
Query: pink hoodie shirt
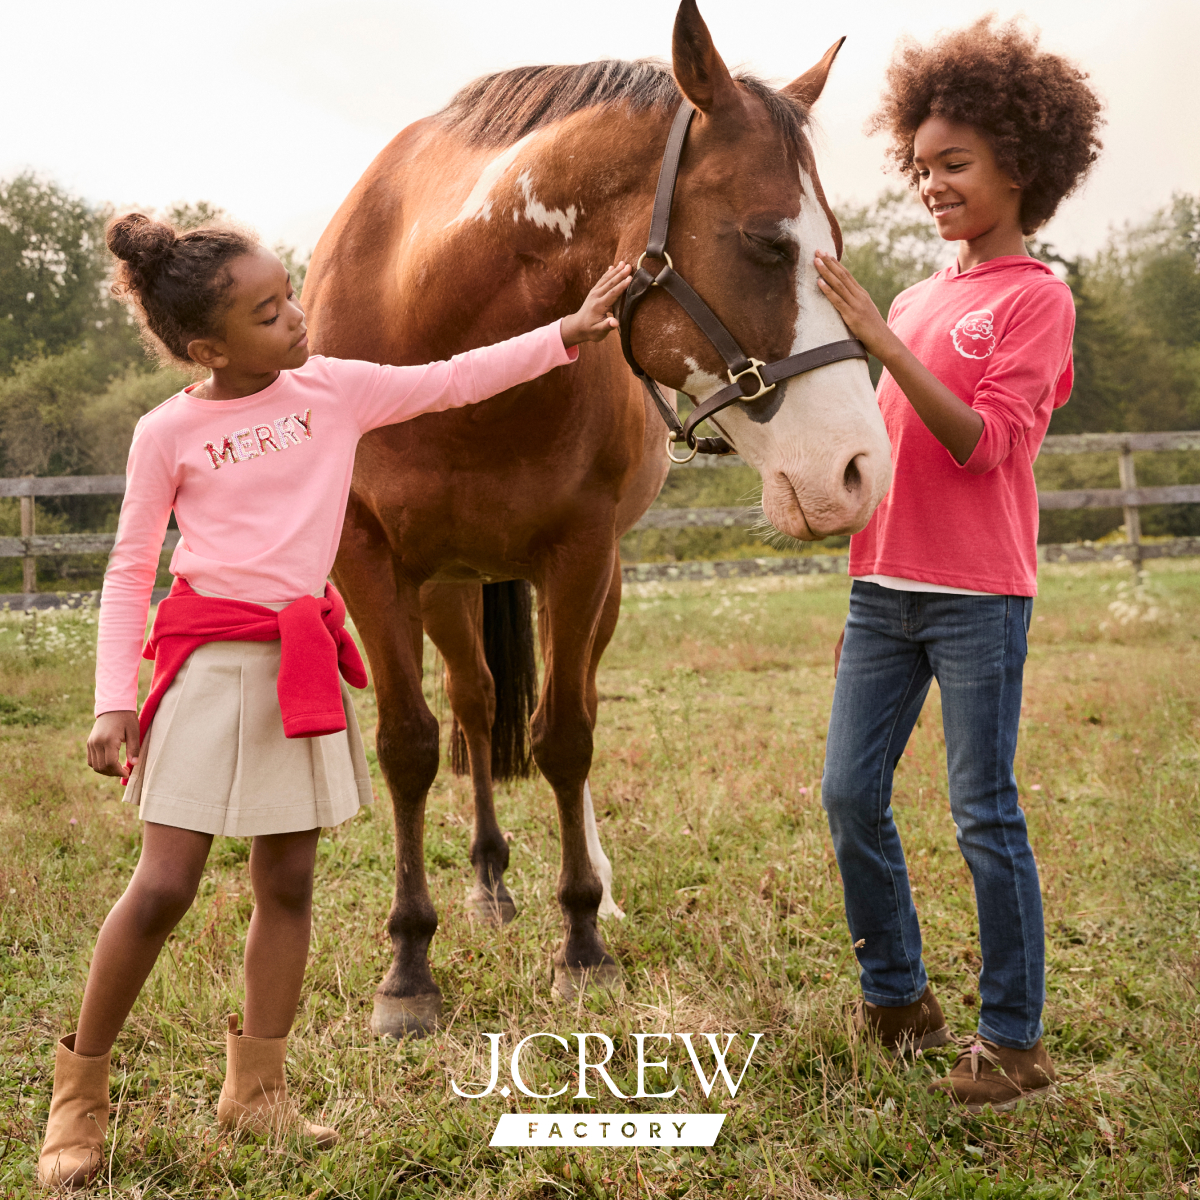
point(999, 337)
point(259, 485)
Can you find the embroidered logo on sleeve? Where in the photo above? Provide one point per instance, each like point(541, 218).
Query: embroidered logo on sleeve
point(252, 441)
point(974, 336)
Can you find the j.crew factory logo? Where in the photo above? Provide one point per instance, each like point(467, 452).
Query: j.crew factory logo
point(608, 1128)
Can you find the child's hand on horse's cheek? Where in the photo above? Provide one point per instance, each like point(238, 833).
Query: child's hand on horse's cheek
point(594, 320)
point(852, 301)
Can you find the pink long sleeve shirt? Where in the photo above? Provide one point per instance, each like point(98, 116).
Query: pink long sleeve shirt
point(259, 485)
point(999, 337)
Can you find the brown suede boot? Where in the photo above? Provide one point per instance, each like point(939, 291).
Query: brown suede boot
point(986, 1074)
point(254, 1098)
point(74, 1147)
point(916, 1026)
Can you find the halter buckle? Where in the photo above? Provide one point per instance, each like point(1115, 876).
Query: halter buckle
point(678, 461)
point(752, 369)
point(664, 256)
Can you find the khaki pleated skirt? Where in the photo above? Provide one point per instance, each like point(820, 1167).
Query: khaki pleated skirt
point(216, 759)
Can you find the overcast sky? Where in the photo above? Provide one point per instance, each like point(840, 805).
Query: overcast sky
point(272, 110)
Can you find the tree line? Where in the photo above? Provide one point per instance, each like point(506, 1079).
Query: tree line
point(74, 374)
point(75, 378)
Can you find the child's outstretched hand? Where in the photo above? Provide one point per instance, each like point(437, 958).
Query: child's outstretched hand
point(594, 320)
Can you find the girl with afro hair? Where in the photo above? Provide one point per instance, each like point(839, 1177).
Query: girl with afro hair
point(993, 133)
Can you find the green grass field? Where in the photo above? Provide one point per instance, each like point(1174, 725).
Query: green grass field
point(706, 779)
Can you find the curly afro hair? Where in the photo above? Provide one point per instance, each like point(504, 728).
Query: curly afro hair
point(1035, 108)
point(178, 282)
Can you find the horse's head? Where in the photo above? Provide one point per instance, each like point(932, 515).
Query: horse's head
point(747, 217)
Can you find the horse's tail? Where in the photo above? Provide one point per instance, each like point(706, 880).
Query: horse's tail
point(509, 650)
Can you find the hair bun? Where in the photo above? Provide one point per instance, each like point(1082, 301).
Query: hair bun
point(138, 240)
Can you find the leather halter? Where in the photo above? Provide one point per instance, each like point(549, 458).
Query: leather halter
point(749, 378)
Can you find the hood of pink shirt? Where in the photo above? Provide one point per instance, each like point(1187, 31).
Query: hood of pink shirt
point(1009, 264)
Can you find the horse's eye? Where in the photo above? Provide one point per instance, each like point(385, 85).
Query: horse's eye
point(773, 250)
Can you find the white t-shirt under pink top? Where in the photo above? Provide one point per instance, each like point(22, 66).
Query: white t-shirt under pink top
point(259, 485)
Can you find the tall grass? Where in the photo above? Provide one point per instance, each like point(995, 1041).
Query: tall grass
point(706, 781)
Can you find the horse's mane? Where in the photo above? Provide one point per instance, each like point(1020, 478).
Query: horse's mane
point(500, 109)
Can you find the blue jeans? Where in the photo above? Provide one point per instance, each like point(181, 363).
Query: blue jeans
point(975, 647)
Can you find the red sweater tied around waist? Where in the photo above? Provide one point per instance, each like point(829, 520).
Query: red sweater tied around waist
point(314, 648)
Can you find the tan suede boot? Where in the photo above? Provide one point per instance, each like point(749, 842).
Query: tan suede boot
point(985, 1074)
point(74, 1147)
point(916, 1026)
point(254, 1098)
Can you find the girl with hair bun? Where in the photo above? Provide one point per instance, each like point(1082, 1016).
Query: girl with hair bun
point(993, 133)
point(248, 730)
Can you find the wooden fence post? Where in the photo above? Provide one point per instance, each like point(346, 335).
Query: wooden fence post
point(1133, 520)
point(28, 563)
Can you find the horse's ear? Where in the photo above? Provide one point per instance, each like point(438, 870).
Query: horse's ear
point(808, 87)
point(700, 71)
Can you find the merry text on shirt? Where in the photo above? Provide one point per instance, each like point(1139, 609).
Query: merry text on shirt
point(244, 444)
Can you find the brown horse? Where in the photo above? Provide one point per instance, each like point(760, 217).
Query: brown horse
point(490, 218)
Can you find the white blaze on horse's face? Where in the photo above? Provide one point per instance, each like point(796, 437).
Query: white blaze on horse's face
point(823, 453)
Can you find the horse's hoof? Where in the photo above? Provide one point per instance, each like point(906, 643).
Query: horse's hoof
point(570, 981)
point(406, 1016)
point(489, 909)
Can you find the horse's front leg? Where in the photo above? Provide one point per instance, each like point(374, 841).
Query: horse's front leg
point(387, 615)
point(573, 594)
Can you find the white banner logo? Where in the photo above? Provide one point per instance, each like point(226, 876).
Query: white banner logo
point(608, 1129)
point(592, 1054)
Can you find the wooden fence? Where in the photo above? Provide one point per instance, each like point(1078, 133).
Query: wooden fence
point(1128, 497)
point(31, 546)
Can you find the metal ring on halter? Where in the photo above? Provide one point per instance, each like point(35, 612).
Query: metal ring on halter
point(752, 369)
point(678, 461)
point(664, 256)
